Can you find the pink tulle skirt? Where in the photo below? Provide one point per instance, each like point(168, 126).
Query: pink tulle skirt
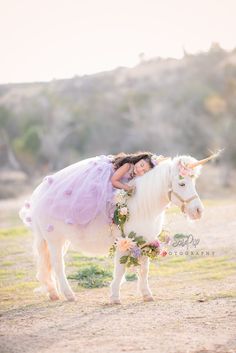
point(76, 194)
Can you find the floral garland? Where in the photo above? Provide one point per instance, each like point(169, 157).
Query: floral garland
point(132, 245)
point(121, 213)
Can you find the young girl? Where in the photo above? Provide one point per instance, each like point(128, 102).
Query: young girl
point(80, 192)
point(127, 166)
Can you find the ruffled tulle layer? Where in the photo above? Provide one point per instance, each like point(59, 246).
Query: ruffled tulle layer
point(76, 194)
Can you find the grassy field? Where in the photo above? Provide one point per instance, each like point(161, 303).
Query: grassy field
point(17, 269)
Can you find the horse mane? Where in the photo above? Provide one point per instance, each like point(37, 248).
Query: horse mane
point(152, 183)
point(151, 186)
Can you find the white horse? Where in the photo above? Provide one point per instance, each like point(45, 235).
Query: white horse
point(154, 191)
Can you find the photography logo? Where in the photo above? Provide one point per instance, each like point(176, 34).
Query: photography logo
point(187, 244)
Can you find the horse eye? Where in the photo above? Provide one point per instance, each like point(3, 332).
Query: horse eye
point(182, 184)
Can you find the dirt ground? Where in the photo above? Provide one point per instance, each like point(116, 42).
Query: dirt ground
point(194, 309)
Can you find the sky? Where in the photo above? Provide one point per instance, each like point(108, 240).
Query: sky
point(41, 40)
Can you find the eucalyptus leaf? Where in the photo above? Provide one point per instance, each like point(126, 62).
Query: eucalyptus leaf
point(124, 259)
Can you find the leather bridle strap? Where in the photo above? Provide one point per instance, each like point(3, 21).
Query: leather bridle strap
point(184, 202)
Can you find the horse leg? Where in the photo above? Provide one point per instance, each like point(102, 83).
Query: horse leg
point(143, 280)
point(119, 270)
point(44, 273)
point(57, 250)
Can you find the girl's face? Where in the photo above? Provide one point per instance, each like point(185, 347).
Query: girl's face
point(141, 167)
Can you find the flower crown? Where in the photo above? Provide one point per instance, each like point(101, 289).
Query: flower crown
point(184, 170)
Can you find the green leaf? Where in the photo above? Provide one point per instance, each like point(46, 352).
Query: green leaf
point(112, 250)
point(124, 259)
point(135, 261)
point(116, 217)
point(132, 235)
point(140, 240)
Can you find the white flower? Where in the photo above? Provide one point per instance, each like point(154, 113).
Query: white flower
point(120, 196)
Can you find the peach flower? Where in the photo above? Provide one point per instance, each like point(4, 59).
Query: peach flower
point(125, 244)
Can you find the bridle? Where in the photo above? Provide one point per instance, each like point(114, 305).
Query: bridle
point(184, 202)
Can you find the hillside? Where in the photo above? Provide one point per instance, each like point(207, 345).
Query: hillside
point(167, 106)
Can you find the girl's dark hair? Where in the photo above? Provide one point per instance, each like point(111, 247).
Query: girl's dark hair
point(122, 158)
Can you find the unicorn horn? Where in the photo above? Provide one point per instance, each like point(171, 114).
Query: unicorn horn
point(205, 160)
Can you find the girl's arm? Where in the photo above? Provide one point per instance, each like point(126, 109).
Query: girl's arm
point(119, 173)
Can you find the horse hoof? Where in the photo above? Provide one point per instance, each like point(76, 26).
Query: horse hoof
point(148, 298)
point(53, 297)
point(115, 301)
point(71, 298)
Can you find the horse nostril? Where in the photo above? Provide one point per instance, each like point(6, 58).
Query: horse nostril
point(199, 210)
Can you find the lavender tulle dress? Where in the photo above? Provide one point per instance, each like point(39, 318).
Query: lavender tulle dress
point(75, 195)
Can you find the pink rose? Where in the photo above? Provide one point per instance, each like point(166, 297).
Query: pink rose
point(123, 211)
point(154, 243)
point(184, 171)
point(163, 253)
